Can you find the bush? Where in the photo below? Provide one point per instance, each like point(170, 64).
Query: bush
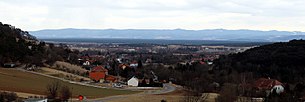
point(52, 89)
point(8, 96)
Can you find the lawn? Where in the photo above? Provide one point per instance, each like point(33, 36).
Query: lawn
point(19, 81)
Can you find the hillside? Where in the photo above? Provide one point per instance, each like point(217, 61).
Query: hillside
point(283, 61)
point(174, 34)
point(17, 46)
point(14, 43)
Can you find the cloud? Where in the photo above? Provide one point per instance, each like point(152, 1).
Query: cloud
point(154, 14)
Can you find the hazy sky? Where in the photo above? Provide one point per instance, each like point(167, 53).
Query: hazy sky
point(155, 14)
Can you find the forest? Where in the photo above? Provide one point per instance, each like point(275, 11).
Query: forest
point(283, 61)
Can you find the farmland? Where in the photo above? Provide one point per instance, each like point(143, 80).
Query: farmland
point(19, 81)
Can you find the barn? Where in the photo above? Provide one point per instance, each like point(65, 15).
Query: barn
point(98, 74)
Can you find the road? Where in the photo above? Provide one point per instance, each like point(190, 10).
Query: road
point(166, 89)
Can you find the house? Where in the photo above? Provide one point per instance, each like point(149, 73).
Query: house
point(133, 64)
point(9, 65)
point(36, 100)
point(210, 63)
point(268, 85)
point(86, 63)
point(133, 82)
point(98, 73)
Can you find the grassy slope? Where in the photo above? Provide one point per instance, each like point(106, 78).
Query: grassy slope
point(15, 80)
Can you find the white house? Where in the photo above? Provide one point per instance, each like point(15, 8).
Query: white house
point(87, 63)
point(133, 82)
point(269, 85)
point(133, 65)
point(278, 89)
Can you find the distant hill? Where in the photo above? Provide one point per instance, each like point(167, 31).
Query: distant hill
point(283, 61)
point(176, 34)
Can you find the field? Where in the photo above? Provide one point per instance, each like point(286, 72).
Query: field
point(175, 96)
point(19, 81)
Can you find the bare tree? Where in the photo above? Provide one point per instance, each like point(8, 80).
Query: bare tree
point(52, 89)
point(228, 93)
point(8, 96)
point(65, 93)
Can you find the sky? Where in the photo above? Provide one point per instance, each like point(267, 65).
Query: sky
point(31, 15)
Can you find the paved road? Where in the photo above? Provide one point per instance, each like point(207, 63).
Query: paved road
point(166, 89)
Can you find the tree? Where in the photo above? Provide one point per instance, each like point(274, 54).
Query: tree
point(52, 89)
point(140, 64)
point(65, 93)
point(228, 93)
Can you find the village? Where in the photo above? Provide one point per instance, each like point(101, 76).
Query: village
point(122, 63)
point(137, 67)
point(132, 66)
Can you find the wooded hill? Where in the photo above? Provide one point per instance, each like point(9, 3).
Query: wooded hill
point(17, 46)
point(283, 61)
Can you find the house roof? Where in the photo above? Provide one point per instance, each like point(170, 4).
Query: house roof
point(110, 77)
point(85, 57)
point(201, 62)
point(264, 83)
point(99, 69)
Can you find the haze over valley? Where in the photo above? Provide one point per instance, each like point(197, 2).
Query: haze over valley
point(175, 34)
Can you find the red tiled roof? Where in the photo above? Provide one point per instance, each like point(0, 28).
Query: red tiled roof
point(201, 62)
point(134, 62)
point(85, 57)
point(264, 83)
point(110, 78)
point(99, 69)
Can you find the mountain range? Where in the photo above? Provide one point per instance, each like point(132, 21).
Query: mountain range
point(174, 34)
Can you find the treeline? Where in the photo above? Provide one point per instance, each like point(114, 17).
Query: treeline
point(17, 46)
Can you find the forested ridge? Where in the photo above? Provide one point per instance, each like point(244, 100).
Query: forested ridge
point(284, 61)
point(18, 46)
